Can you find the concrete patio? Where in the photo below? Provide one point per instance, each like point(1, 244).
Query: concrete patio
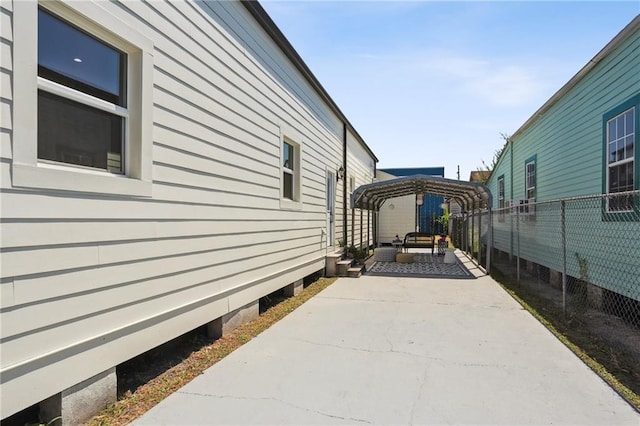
point(385, 350)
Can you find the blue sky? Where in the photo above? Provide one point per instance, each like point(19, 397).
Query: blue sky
point(436, 83)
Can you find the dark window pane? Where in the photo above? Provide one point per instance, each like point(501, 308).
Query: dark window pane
point(287, 156)
point(629, 178)
point(629, 121)
point(621, 178)
point(612, 130)
point(620, 126)
point(613, 179)
point(70, 57)
point(612, 153)
point(287, 188)
point(70, 132)
point(628, 150)
point(620, 150)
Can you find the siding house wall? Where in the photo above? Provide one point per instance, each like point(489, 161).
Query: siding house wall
point(90, 280)
point(360, 171)
point(567, 141)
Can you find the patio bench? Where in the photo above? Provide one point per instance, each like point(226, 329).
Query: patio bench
point(419, 240)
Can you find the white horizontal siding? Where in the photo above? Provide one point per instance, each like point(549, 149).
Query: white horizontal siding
point(359, 167)
point(6, 88)
point(80, 269)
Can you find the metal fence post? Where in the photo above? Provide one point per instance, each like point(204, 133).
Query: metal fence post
point(473, 231)
point(564, 254)
point(518, 244)
point(511, 234)
point(361, 228)
point(489, 239)
point(480, 238)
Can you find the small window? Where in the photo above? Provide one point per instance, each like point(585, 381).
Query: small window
point(288, 167)
point(501, 200)
point(352, 184)
point(86, 128)
point(530, 174)
point(526, 205)
point(620, 144)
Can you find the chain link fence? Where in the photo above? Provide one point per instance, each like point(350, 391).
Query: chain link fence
point(575, 258)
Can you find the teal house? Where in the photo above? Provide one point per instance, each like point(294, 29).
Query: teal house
point(566, 186)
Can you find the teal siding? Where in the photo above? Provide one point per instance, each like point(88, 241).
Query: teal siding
point(502, 223)
point(567, 142)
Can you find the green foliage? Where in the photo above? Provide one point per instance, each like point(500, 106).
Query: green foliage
point(444, 221)
point(359, 254)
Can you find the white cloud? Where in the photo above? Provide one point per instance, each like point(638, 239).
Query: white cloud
point(493, 81)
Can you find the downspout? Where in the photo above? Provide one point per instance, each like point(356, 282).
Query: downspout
point(345, 205)
point(374, 225)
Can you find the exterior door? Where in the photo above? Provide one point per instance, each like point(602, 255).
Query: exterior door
point(331, 208)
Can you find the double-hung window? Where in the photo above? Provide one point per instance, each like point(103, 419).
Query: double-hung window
point(620, 138)
point(82, 97)
point(290, 168)
point(288, 171)
point(527, 204)
point(83, 118)
point(501, 200)
point(530, 173)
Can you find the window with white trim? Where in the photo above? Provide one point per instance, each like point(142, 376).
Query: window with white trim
point(620, 144)
point(501, 200)
point(82, 111)
point(82, 102)
point(530, 173)
point(288, 170)
point(501, 192)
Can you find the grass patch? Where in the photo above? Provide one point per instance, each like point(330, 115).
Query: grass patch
point(133, 404)
point(617, 371)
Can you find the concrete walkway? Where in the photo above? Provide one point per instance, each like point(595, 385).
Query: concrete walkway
point(383, 350)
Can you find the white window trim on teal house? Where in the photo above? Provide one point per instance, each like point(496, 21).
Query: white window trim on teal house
point(527, 204)
point(530, 178)
point(30, 172)
point(291, 137)
point(631, 106)
point(501, 199)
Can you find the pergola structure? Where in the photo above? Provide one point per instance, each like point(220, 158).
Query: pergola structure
point(470, 196)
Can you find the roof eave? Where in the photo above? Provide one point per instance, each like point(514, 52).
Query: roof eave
point(265, 21)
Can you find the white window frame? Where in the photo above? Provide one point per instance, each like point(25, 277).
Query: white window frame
point(620, 162)
point(290, 171)
point(289, 136)
point(528, 176)
point(30, 172)
point(501, 199)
